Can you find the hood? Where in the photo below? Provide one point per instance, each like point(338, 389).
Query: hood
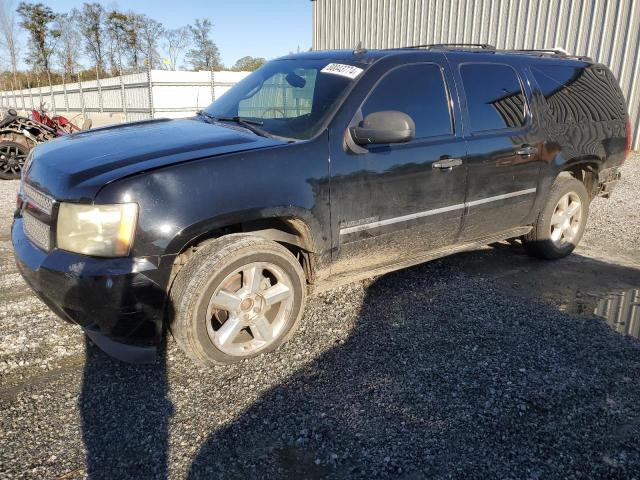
point(75, 167)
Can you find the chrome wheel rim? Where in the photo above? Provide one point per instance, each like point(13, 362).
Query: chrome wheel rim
point(249, 310)
point(566, 220)
point(12, 159)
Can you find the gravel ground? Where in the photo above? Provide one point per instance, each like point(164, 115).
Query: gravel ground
point(483, 365)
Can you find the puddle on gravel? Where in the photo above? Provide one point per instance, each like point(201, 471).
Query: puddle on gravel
point(619, 309)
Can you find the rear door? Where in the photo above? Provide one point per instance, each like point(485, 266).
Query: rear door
point(503, 142)
point(390, 203)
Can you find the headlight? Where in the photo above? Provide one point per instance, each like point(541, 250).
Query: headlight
point(98, 230)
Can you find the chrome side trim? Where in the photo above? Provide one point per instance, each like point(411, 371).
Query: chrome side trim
point(404, 218)
point(436, 211)
point(500, 197)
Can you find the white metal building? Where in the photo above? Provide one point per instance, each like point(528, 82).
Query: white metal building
point(606, 30)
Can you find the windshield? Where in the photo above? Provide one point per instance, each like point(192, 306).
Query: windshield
point(289, 98)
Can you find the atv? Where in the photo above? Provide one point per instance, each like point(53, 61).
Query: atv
point(18, 135)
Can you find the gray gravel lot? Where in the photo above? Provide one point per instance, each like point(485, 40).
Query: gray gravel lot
point(486, 364)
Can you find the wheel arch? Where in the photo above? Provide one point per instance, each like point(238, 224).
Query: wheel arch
point(584, 168)
point(296, 229)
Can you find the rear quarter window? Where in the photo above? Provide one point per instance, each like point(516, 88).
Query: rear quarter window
point(495, 99)
point(576, 94)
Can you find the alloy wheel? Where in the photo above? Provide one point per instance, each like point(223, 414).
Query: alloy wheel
point(12, 159)
point(566, 219)
point(250, 309)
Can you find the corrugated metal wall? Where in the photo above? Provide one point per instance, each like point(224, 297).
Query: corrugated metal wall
point(605, 30)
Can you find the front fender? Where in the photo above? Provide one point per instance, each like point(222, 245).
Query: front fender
point(302, 219)
point(181, 203)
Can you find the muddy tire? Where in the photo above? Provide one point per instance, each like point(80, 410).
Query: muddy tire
point(14, 149)
point(560, 225)
point(237, 297)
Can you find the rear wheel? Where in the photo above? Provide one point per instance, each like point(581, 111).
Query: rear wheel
point(236, 297)
point(561, 223)
point(13, 154)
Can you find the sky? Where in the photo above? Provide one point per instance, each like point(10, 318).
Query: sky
point(260, 28)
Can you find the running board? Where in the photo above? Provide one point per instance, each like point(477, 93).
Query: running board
point(350, 277)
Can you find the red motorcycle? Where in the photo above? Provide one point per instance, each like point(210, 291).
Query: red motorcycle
point(60, 124)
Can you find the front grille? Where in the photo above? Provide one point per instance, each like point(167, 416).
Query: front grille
point(36, 231)
point(38, 199)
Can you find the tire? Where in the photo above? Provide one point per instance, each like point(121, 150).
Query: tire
point(10, 145)
point(215, 290)
point(557, 231)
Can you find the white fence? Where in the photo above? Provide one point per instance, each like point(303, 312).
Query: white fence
point(153, 94)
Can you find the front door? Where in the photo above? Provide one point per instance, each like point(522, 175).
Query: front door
point(392, 202)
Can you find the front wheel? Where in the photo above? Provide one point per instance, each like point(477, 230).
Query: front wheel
point(561, 223)
point(237, 297)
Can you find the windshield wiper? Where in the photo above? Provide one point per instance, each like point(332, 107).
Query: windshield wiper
point(252, 125)
point(240, 120)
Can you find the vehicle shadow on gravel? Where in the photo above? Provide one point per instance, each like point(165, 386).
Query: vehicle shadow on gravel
point(125, 413)
point(451, 373)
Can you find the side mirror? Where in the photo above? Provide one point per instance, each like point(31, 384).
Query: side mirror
point(388, 126)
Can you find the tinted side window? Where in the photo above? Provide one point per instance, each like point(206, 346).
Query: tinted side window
point(420, 92)
point(575, 94)
point(494, 96)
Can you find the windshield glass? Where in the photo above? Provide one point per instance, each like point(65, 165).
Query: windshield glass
point(289, 98)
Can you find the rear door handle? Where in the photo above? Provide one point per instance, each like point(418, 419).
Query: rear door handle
point(447, 164)
point(527, 151)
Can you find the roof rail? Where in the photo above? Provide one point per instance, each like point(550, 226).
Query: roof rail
point(492, 49)
point(554, 51)
point(483, 46)
point(547, 51)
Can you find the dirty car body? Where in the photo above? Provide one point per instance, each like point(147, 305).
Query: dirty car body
point(315, 175)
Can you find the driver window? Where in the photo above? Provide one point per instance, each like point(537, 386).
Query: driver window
point(418, 90)
point(282, 96)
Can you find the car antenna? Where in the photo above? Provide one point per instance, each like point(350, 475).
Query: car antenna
point(359, 49)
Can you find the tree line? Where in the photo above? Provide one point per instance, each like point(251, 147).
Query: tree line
point(95, 41)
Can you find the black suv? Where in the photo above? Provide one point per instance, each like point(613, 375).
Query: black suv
point(317, 169)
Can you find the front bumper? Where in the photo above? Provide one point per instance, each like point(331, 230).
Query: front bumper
point(113, 300)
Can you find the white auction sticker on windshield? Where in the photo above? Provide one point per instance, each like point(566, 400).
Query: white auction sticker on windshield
point(348, 71)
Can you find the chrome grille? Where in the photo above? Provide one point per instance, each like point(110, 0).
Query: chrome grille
point(36, 231)
point(40, 200)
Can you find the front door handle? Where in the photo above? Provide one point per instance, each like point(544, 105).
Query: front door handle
point(527, 151)
point(447, 163)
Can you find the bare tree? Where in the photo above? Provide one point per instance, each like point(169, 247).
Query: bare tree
point(116, 26)
point(204, 55)
point(37, 20)
point(177, 41)
point(90, 19)
point(133, 23)
point(150, 32)
point(9, 34)
point(67, 52)
point(134, 35)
